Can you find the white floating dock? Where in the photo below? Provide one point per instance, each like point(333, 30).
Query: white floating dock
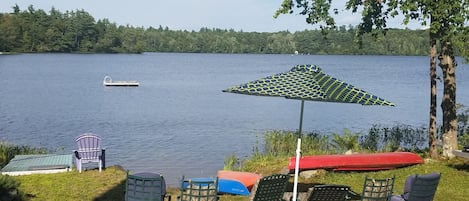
point(109, 83)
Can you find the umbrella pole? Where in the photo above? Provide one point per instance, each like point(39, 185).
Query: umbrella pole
point(298, 154)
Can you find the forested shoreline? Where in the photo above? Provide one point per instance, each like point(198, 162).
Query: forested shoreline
point(37, 31)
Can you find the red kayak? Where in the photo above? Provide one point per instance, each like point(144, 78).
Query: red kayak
point(248, 179)
point(357, 162)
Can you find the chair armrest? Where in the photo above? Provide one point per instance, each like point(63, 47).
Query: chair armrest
point(76, 154)
point(103, 154)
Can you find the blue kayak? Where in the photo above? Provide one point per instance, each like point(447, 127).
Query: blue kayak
point(234, 187)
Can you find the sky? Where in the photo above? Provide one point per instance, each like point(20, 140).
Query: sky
point(191, 15)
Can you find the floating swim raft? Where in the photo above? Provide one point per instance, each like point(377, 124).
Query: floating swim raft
point(108, 82)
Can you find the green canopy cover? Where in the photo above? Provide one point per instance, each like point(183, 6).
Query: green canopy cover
point(308, 82)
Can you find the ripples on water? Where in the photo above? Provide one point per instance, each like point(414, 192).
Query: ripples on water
point(178, 121)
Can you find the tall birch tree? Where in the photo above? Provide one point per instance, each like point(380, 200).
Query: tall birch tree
point(447, 20)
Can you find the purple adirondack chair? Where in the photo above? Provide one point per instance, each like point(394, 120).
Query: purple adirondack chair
point(89, 151)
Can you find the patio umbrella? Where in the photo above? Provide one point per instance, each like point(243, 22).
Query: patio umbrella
point(307, 82)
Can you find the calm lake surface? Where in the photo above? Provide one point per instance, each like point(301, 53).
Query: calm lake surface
point(178, 121)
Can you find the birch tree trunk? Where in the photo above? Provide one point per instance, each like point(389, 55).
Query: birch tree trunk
point(432, 128)
point(448, 104)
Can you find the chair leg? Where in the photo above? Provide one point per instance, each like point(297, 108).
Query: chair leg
point(78, 164)
point(100, 165)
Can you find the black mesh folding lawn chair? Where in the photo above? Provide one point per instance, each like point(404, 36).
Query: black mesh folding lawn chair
point(270, 188)
point(329, 193)
point(145, 186)
point(377, 189)
point(199, 189)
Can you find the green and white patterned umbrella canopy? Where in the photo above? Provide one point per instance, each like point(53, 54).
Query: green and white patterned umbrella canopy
point(308, 82)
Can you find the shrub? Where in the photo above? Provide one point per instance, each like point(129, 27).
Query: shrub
point(9, 189)
point(8, 151)
point(399, 136)
point(346, 141)
point(231, 163)
point(283, 143)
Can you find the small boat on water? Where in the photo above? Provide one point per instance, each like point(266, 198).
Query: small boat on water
point(109, 82)
point(357, 162)
point(248, 179)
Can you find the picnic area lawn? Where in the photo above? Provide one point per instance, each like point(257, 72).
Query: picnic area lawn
point(92, 185)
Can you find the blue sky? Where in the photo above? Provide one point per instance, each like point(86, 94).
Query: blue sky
point(245, 15)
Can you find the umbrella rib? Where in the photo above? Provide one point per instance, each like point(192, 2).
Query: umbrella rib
point(360, 98)
point(354, 97)
point(347, 96)
point(335, 89)
point(329, 83)
point(340, 96)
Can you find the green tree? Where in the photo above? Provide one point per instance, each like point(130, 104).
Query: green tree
point(108, 39)
point(9, 33)
point(447, 27)
point(76, 31)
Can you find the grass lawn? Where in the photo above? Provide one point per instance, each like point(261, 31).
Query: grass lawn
point(92, 185)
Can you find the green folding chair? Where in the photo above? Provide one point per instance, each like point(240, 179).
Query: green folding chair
point(270, 188)
point(377, 189)
point(199, 189)
point(145, 186)
point(330, 192)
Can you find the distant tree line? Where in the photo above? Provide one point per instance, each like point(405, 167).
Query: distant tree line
point(34, 30)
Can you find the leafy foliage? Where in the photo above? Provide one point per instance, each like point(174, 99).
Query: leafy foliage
point(283, 143)
point(397, 137)
point(9, 188)
point(379, 139)
point(448, 29)
point(8, 151)
point(231, 163)
point(345, 141)
point(34, 30)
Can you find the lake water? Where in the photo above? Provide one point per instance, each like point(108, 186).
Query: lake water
point(178, 121)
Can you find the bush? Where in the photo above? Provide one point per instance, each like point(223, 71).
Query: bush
point(390, 139)
point(346, 141)
point(378, 139)
point(9, 189)
point(8, 151)
point(283, 143)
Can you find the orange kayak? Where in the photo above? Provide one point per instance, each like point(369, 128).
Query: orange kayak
point(248, 179)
